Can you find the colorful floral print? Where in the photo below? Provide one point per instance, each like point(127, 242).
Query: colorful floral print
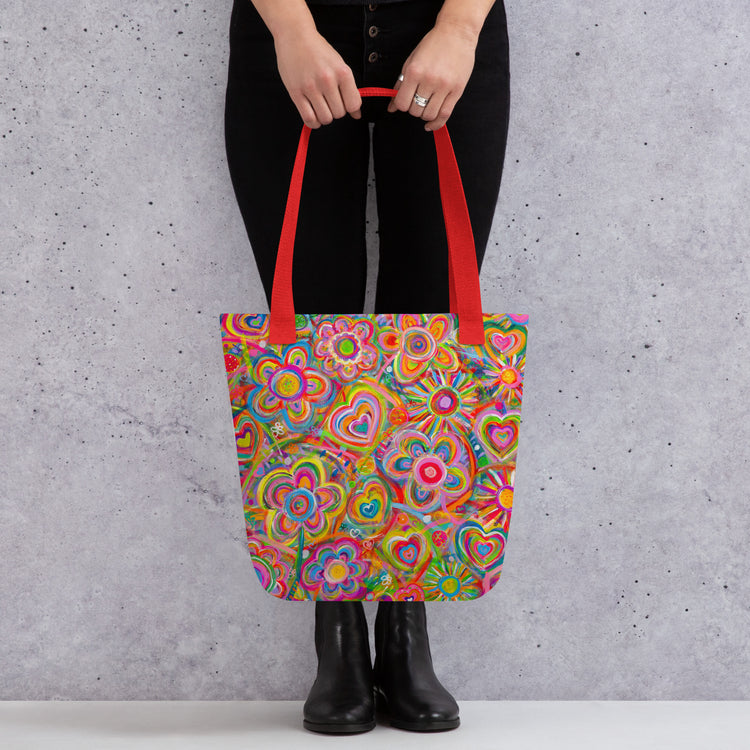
point(285, 387)
point(335, 570)
point(377, 455)
point(302, 497)
point(344, 347)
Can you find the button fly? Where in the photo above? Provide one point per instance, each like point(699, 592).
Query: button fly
point(373, 31)
point(373, 56)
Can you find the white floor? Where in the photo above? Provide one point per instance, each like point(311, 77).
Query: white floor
point(501, 725)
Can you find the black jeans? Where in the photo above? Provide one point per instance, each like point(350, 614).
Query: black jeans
point(262, 131)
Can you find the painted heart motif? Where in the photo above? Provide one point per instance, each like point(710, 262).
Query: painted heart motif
point(358, 421)
point(478, 548)
point(508, 342)
point(498, 433)
point(369, 504)
point(248, 437)
point(271, 567)
point(370, 510)
point(406, 553)
point(411, 593)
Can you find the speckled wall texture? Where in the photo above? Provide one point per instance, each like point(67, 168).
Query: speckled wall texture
point(622, 229)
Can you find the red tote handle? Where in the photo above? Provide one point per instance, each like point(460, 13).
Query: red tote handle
point(465, 295)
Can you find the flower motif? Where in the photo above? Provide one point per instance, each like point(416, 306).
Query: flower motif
point(419, 341)
point(493, 495)
point(300, 498)
point(439, 399)
point(288, 388)
point(435, 469)
point(449, 580)
point(506, 379)
point(344, 346)
point(335, 571)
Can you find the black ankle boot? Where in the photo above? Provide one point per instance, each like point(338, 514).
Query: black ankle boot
point(406, 688)
point(341, 698)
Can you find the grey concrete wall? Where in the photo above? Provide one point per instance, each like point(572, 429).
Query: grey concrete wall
point(622, 229)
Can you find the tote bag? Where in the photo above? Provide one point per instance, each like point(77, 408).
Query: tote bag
point(377, 452)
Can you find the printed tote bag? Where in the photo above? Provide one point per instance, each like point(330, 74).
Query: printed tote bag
point(377, 452)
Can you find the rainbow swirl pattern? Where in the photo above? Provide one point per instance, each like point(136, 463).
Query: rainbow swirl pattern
point(377, 455)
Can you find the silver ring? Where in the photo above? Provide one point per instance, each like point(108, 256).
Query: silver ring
point(401, 77)
point(420, 100)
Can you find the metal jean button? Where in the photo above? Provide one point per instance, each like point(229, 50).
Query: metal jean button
point(373, 31)
point(372, 6)
point(373, 56)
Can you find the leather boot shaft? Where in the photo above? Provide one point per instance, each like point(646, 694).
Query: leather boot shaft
point(341, 699)
point(401, 628)
point(341, 635)
point(406, 686)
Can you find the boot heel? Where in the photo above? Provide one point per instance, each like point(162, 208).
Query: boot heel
point(381, 706)
point(338, 728)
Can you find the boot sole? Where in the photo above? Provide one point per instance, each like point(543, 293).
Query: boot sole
point(382, 711)
point(338, 728)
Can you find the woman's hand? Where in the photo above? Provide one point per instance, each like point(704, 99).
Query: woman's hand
point(321, 84)
point(439, 69)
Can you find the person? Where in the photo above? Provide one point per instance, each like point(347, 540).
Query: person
point(303, 61)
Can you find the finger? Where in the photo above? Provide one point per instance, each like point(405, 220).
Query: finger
point(405, 95)
point(415, 109)
point(431, 111)
point(322, 111)
point(391, 105)
point(307, 112)
point(445, 111)
point(334, 100)
point(351, 97)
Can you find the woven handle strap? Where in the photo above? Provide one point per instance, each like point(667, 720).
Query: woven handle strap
point(465, 295)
